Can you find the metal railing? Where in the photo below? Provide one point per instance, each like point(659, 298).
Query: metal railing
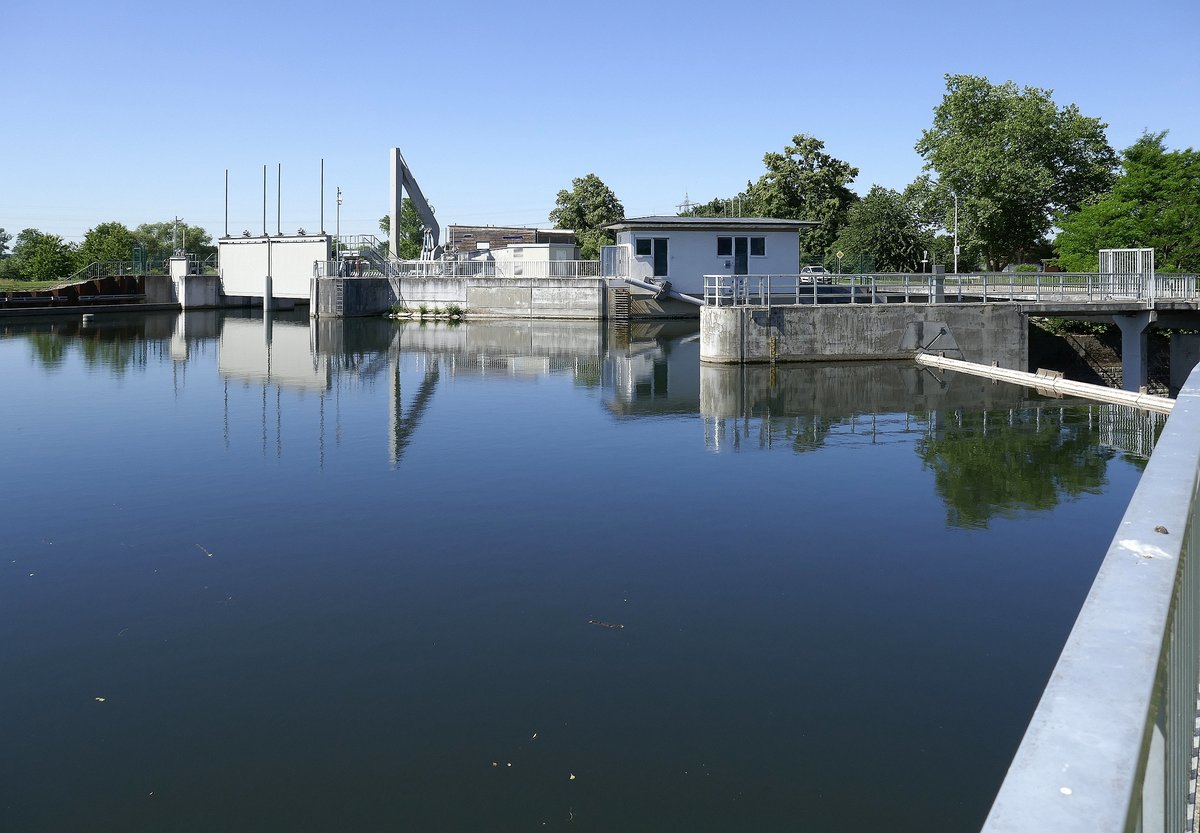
point(421, 269)
point(117, 268)
point(893, 287)
point(1110, 745)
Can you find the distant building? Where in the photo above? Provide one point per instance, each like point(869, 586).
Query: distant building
point(468, 239)
point(685, 249)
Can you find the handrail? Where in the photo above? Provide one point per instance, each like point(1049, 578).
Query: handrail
point(374, 266)
point(1110, 745)
point(893, 287)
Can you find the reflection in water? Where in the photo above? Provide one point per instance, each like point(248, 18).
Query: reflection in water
point(994, 449)
point(991, 464)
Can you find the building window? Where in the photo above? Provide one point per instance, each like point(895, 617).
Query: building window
point(724, 246)
point(518, 252)
point(758, 247)
point(644, 247)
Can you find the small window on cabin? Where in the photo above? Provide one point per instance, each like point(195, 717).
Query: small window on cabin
point(644, 247)
point(724, 246)
point(758, 247)
point(518, 252)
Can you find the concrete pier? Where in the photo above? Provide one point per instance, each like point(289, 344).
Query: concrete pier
point(971, 332)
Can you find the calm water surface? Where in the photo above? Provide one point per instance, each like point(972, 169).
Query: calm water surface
point(343, 577)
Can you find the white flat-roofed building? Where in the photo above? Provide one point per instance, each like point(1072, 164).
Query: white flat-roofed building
point(683, 250)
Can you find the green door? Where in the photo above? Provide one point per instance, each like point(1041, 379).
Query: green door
point(660, 257)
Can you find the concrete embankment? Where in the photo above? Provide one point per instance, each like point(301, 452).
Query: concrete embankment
point(839, 332)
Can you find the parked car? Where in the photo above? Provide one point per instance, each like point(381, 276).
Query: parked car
point(815, 274)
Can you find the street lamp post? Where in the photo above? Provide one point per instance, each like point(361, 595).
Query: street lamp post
point(955, 193)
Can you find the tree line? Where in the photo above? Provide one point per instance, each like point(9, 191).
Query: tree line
point(1033, 182)
point(37, 256)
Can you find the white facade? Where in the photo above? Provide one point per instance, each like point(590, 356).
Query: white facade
point(683, 250)
point(246, 262)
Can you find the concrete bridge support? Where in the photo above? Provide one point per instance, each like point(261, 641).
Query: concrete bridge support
point(1135, 371)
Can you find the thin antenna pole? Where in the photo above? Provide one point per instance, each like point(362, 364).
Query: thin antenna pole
point(279, 199)
point(226, 202)
point(264, 200)
point(322, 196)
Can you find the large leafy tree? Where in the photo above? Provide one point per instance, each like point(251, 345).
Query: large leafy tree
point(161, 239)
point(805, 183)
point(587, 208)
point(1016, 160)
point(107, 241)
point(4, 238)
point(1155, 203)
point(882, 229)
point(412, 232)
point(40, 257)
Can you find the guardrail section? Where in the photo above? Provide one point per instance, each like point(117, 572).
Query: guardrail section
point(893, 287)
point(1110, 745)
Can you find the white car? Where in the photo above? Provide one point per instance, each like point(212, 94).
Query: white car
point(815, 274)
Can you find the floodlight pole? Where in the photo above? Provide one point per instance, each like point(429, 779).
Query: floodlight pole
point(337, 236)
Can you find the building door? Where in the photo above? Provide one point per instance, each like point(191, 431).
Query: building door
point(741, 259)
point(660, 257)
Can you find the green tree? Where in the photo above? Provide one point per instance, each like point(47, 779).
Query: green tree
point(412, 231)
point(107, 241)
point(161, 239)
point(1015, 159)
point(805, 183)
point(41, 257)
point(883, 228)
point(4, 238)
point(587, 208)
point(1155, 203)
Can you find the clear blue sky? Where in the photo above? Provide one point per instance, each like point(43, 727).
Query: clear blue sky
point(133, 111)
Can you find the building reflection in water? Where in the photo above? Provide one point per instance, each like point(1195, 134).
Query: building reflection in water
point(645, 369)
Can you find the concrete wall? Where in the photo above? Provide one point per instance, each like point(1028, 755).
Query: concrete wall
point(350, 297)
point(562, 298)
point(692, 254)
point(973, 332)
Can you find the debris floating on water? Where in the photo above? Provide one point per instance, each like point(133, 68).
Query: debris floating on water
point(206, 552)
point(100, 699)
point(611, 625)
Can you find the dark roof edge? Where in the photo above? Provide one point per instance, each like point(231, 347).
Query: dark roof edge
point(710, 223)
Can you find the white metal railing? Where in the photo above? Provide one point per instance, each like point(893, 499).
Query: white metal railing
point(1110, 745)
point(893, 287)
point(376, 268)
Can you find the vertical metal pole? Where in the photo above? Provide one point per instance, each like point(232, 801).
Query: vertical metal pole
point(338, 231)
point(279, 199)
point(956, 232)
point(226, 202)
point(264, 200)
point(322, 197)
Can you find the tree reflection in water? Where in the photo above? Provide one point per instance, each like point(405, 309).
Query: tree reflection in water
point(989, 465)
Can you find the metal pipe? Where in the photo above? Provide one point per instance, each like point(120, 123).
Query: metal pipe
point(322, 197)
point(279, 198)
point(264, 200)
point(1100, 393)
point(226, 202)
point(658, 290)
